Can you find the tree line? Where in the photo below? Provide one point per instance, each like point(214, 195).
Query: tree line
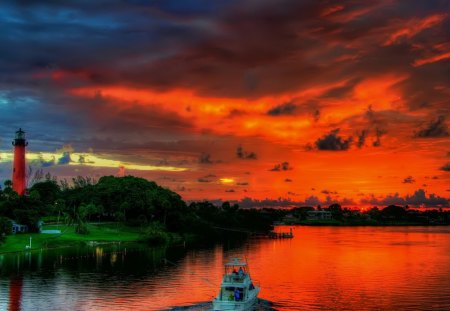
point(128, 200)
point(389, 215)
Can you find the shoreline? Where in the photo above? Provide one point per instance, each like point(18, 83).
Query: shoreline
point(133, 235)
point(326, 224)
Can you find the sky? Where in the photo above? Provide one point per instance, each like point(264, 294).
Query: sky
point(261, 102)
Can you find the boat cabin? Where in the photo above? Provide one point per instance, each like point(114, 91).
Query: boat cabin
point(236, 281)
point(235, 271)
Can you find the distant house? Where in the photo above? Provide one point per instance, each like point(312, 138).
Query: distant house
point(318, 215)
point(18, 228)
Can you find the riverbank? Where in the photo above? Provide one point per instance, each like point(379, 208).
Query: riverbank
point(98, 233)
point(357, 223)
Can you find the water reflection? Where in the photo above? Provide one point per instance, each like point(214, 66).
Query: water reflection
point(15, 292)
point(322, 268)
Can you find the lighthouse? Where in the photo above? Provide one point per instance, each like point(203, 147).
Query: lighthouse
point(18, 179)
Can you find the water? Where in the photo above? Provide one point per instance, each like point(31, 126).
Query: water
point(322, 268)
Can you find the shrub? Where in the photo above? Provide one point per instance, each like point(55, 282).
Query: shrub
point(156, 234)
point(5, 227)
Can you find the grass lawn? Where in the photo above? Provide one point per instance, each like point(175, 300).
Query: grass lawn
point(68, 237)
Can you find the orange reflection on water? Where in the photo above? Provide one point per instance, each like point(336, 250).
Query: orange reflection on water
point(336, 268)
point(321, 268)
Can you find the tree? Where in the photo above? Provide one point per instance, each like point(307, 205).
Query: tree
point(76, 215)
point(5, 227)
point(48, 190)
point(302, 212)
point(8, 183)
point(336, 211)
point(27, 216)
point(394, 212)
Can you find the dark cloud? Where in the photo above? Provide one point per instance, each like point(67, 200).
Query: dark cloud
point(378, 133)
point(419, 198)
point(288, 180)
point(297, 106)
point(375, 123)
point(82, 159)
point(288, 203)
point(207, 178)
point(65, 158)
point(242, 184)
point(40, 162)
point(333, 142)
point(284, 166)
point(436, 128)
point(409, 180)
point(241, 154)
point(230, 190)
point(283, 109)
point(130, 39)
point(205, 158)
point(316, 115)
point(342, 91)
point(446, 167)
point(328, 192)
point(202, 179)
point(361, 139)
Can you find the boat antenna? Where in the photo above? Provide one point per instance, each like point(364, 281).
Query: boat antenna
point(246, 260)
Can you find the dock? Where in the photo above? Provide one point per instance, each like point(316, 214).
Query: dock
point(270, 235)
point(275, 235)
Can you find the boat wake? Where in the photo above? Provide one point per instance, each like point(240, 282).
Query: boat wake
point(261, 305)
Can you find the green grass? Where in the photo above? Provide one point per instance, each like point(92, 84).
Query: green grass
point(68, 237)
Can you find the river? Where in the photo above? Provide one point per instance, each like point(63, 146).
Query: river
point(321, 268)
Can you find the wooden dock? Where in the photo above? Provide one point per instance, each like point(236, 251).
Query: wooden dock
point(276, 235)
point(280, 235)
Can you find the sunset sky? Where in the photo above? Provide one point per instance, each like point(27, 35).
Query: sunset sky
point(303, 101)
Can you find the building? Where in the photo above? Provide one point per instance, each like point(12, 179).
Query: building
point(18, 228)
point(318, 215)
point(18, 176)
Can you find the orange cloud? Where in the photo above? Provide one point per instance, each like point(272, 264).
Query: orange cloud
point(432, 59)
point(331, 10)
point(414, 26)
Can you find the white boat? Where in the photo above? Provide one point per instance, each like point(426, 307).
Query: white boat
point(237, 291)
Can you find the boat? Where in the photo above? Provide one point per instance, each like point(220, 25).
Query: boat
point(237, 290)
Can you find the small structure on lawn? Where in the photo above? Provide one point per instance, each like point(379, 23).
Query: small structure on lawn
point(18, 228)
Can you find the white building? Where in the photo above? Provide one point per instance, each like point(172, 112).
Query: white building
point(319, 215)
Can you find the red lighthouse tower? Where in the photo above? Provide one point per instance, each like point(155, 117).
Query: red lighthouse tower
point(19, 144)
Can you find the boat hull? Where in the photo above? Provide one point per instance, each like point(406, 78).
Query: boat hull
point(234, 305)
point(231, 305)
